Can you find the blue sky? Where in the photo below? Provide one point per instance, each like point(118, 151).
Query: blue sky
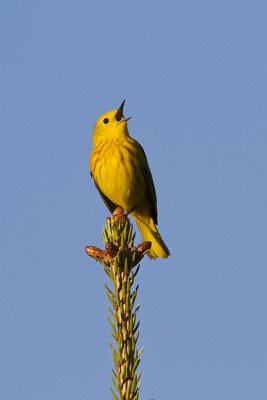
point(193, 78)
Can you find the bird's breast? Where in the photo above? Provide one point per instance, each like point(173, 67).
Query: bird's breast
point(115, 171)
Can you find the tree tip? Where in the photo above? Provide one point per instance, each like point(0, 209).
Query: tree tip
point(119, 214)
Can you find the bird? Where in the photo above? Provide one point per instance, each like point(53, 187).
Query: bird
point(120, 171)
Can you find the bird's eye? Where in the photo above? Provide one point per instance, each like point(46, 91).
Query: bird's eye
point(105, 120)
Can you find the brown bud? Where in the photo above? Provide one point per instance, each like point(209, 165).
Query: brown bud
point(118, 212)
point(95, 252)
point(111, 249)
point(141, 249)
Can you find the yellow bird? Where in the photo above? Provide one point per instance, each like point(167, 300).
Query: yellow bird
point(121, 173)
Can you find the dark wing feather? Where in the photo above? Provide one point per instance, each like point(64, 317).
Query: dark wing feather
point(151, 191)
point(110, 205)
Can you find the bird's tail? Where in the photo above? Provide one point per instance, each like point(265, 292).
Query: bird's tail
point(150, 233)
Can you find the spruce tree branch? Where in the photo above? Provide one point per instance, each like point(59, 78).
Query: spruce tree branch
point(120, 260)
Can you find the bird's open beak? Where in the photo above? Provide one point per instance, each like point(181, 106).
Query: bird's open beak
point(119, 114)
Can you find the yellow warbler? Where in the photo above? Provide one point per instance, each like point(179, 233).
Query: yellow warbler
point(121, 173)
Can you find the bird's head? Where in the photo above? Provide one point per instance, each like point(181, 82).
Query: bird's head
point(111, 124)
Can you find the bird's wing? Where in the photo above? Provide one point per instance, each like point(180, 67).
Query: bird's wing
point(151, 191)
point(110, 205)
